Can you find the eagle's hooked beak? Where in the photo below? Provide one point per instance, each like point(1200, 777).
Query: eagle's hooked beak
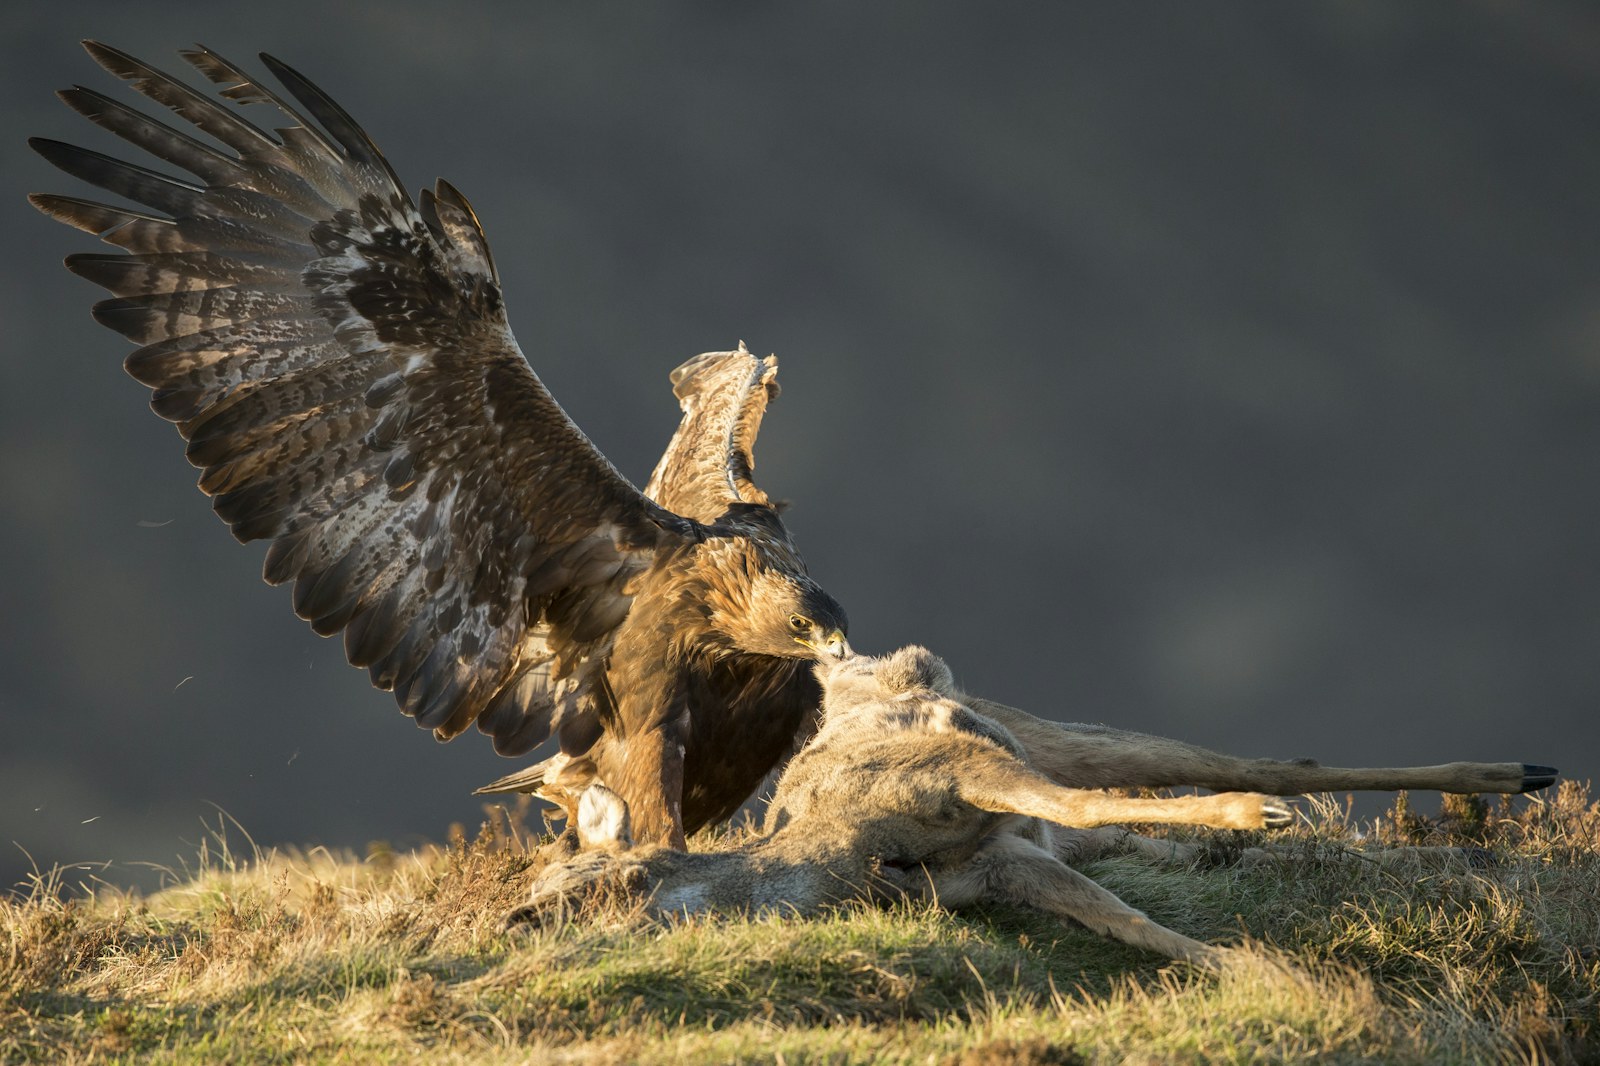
point(831, 646)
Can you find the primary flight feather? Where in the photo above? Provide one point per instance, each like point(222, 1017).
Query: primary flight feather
point(338, 358)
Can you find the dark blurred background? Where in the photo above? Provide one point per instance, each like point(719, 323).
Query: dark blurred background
point(1229, 372)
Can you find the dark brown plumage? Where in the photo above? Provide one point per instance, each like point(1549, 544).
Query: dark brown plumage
point(339, 361)
point(769, 704)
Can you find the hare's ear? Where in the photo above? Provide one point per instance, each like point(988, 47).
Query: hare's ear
point(603, 820)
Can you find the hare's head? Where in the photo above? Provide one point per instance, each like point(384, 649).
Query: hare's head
point(913, 668)
point(861, 681)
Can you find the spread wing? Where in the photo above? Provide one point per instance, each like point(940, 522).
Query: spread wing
point(339, 361)
point(709, 463)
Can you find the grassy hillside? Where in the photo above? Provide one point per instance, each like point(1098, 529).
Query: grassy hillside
point(400, 957)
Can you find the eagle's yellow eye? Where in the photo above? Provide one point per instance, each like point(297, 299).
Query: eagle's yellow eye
point(798, 623)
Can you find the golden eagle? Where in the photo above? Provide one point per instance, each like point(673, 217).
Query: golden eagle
point(338, 358)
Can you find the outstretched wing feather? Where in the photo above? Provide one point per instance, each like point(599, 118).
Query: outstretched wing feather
point(159, 139)
point(339, 361)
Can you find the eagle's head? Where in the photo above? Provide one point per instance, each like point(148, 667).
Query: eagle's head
point(789, 615)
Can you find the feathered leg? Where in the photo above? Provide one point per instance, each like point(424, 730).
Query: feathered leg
point(645, 767)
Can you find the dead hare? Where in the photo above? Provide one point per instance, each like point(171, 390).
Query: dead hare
point(911, 788)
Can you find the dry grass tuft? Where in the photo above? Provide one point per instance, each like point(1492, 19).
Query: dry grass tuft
point(1492, 955)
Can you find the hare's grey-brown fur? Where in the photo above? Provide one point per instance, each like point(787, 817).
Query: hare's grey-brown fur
point(912, 788)
point(906, 790)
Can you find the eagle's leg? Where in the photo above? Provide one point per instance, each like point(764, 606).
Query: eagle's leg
point(652, 786)
point(650, 777)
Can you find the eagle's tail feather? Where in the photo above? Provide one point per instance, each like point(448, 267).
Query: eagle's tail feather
point(528, 779)
point(560, 779)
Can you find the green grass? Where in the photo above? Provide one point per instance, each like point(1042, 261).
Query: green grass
point(314, 957)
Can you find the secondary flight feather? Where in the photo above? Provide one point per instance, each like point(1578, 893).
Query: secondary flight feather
point(338, 358)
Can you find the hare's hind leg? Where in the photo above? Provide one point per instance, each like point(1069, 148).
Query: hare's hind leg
point(1011, 870)
point(1092, 756)
point(1005, 785)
